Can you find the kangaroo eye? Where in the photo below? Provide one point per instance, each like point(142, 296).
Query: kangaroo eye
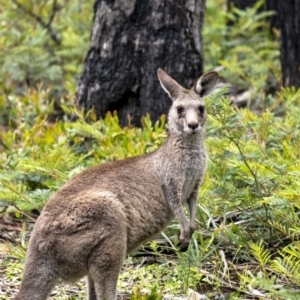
point(201, 109)
point(179, 109)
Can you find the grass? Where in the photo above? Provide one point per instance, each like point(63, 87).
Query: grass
point(246, 244)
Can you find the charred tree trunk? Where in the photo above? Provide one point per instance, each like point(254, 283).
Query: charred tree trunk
point(273, 6)
point(130, 40)
point(289, 25)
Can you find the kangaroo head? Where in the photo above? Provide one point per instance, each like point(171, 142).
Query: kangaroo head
point(187, 114)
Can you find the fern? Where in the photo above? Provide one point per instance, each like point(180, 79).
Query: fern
point(288, 264)
point(263, 256)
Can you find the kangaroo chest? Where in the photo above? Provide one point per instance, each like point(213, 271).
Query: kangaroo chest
point(191, 171)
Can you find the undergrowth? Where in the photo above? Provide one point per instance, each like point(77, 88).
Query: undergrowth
point(247, 239)
point(248, 221)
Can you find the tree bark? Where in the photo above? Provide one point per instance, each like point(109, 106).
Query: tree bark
point(289, 25)
point(130, 40)
point(273, 6)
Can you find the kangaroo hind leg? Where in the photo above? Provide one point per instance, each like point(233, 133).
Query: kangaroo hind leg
point(37, 282)
point(91, 289)
point(105, 263)
point(103, 283)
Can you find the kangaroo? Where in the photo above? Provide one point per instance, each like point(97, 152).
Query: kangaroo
point(104, 213)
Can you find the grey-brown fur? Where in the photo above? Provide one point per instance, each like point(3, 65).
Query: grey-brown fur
point(106, 212)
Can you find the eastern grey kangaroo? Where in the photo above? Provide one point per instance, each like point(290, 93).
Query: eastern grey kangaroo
point(98, 217)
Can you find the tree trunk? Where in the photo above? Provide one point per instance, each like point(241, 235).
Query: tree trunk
point(289, 25)
point(130, 40)
point(273, 6)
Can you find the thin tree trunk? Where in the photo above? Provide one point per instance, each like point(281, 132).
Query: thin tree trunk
point(289, 24)
point(272, 5)
point(130, 40)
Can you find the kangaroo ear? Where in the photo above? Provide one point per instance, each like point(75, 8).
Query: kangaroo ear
point(169, 84)
point(206, 83)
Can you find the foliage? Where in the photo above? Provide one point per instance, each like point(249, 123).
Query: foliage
point(153, 295)
point(43, 42)
point(255, 163)
point(39, 156)
point(248, 224)
point(174, 276)
point(249, 202)
point(246, 50)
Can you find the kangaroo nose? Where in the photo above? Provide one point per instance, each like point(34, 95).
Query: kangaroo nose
point(193, 126)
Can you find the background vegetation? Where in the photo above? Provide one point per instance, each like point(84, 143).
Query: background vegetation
point(247, 240)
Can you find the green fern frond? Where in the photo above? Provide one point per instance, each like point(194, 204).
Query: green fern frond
point(293, 250)
point(10, 191)
point(287, 267)
point(263, 256)
point(86, 130)
point(289, 263)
